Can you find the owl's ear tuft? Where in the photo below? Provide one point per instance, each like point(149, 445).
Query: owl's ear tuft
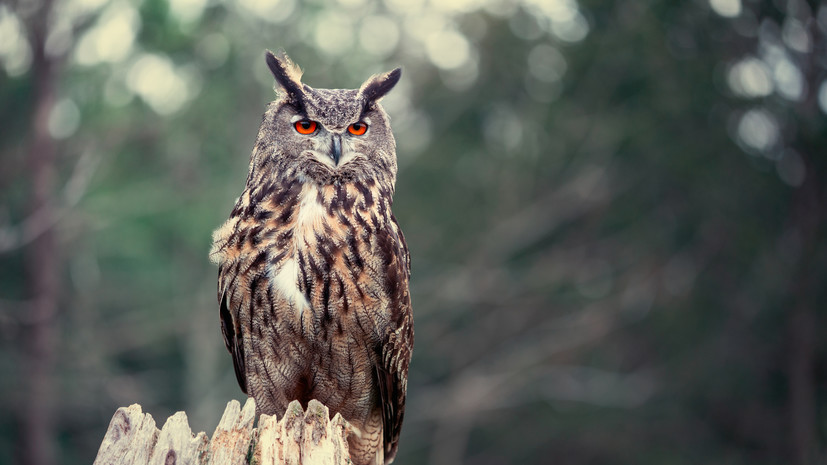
point(379, 84)
point(287, 74)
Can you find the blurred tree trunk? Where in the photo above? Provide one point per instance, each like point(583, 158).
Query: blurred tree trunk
point(803, 323)
point(806, 216)
point(42, 262)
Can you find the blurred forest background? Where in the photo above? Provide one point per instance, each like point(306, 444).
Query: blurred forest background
point(615, 211)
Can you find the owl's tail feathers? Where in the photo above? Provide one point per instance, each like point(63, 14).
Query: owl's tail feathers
point(366, 443)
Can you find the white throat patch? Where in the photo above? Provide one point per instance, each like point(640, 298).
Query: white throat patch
point(310, 217)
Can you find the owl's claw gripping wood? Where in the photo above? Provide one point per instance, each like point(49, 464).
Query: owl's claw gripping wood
point(313, 268)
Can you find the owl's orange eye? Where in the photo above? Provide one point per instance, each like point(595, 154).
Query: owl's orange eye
point(357, 129)
point(305, 126)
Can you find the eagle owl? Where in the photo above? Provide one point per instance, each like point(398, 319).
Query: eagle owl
point(313, 268)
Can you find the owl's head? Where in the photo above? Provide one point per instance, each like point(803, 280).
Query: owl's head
point(325, 136)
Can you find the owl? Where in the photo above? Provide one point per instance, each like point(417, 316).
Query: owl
point(313, 268)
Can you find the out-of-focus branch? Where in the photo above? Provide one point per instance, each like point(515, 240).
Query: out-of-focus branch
point(502, 376)
point(585, 191)
point(48, 216)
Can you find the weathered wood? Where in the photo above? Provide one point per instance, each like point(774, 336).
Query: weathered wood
point(231, 440)
point(131, 438)
point(302, 437)
point(299, 438)
point(176, 443)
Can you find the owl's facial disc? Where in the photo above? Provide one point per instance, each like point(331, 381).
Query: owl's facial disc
point(331, 149)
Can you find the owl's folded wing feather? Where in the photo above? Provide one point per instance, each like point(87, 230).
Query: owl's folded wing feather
point(395, 352)
point(392, 378)
point(231, 330)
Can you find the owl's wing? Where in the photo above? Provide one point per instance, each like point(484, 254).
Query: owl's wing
point(392, 377)
point(392, 373)
point(231, 330)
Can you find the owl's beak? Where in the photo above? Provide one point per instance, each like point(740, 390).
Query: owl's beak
point(336, 149)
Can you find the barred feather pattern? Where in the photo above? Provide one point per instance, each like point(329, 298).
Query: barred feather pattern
point(313, 287)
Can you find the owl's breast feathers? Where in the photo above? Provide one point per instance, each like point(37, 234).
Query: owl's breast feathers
point(313, 286)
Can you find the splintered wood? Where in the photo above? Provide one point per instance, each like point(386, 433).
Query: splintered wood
point(299, 438)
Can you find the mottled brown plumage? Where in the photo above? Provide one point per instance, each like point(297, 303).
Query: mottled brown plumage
point(313, 268)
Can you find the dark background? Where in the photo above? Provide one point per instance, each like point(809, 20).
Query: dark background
point(615, 211)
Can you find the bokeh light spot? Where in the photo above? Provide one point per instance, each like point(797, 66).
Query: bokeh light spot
point(273, 11)
point(160, 84)
point(421, 27)
point(379, 35)
point(500, 8)
point(60, 38)
point(112, 37)
point(64, 119)
point(726, 8)
point(822, 96)
point(758, 130)
point(750, 77)
point(84, 7)
point(555, 10)
point(503, 129)
point(187, 11)
point(405, 6)
point(542, 91)
point(214, 49)
point(334, 33)
point(546, 63)
point(15, 53)
point(448, 49)
point(461, 78)
point(788, 79)
point(821, 18)
point(455, 6)
point(351, 3)
point(795, 36)
point(574, 29)
point(525, 26)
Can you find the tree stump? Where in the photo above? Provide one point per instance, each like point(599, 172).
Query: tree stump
point(299, 438)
